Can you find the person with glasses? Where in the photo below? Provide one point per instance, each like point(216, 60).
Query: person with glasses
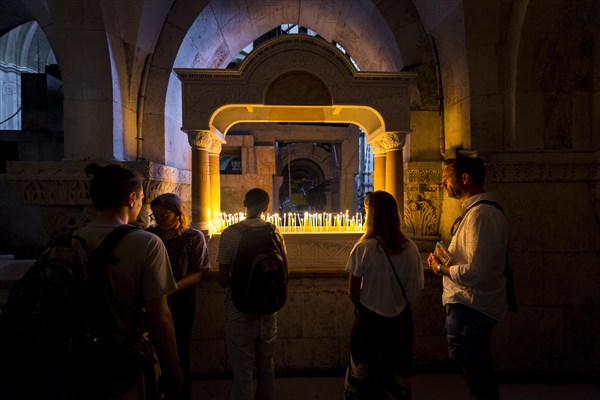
point(188, 255)
point(385, 278)
point(474, 282)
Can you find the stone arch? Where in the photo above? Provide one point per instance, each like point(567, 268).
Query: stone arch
point(375, 101)
point(201, 35)
point(306, 173)
point(308, 152)
point(215, 100)
point(24, 49)
point(311, 164)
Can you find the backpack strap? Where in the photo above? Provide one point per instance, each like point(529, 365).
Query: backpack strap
point(458, 220)
point(508, 273)
point(102, 256)
point(103, 252)
point(394, 271)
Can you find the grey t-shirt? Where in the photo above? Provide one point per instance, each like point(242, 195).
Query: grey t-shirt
point(142, 273)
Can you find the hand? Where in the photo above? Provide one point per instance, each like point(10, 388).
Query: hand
point(433, 263)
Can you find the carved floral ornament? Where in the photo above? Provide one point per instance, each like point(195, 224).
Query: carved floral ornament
point(389, 141)
point(423, 199)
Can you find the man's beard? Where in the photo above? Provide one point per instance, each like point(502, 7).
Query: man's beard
point(455, 192)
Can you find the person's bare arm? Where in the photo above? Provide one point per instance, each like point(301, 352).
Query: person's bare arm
point(189, 280)
point(162, 334)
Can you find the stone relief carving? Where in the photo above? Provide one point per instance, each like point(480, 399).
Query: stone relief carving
point(388, 141)
point(423, 194)
point(421, 216)
point(543, 171)
point(65, 183)
point(62, 187)
point(422, 199)
point(308, 250)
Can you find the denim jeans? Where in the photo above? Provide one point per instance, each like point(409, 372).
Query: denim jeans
point(250, 343)
point(470, 345)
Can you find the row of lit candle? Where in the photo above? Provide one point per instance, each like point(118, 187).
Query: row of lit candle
point(299, 222)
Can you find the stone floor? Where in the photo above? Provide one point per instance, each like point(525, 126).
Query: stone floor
point(425, 387)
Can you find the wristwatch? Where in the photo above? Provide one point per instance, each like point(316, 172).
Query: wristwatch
point(439, 269)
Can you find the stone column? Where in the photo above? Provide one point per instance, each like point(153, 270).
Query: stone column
point(201, 142)
point(378, 170)
point(215, 177)
point(390, 144)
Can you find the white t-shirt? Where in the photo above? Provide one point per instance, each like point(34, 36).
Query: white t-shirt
point(380, 291)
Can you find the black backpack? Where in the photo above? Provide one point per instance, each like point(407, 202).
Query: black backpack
point(45, 307)
point(259, 273)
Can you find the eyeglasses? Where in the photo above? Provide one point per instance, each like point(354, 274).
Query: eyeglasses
point(156, 217)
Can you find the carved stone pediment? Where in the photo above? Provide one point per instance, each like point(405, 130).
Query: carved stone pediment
point(315, 82)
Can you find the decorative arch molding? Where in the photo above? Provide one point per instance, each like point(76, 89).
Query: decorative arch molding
point(199, 34)
point(215, 99)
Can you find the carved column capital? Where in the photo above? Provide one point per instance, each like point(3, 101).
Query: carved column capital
point(388, 141)
point(200, 140)
point(215, 147)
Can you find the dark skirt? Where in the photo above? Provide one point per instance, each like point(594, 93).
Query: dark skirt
point(380, 356)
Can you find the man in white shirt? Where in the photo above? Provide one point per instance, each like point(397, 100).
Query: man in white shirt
point(474, 283)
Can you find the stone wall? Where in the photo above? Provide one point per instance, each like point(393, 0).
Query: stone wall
point(314, 325)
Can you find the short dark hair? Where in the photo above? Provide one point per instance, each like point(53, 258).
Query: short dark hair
point(111, 185)
point(468, 165)
point(256, 201)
